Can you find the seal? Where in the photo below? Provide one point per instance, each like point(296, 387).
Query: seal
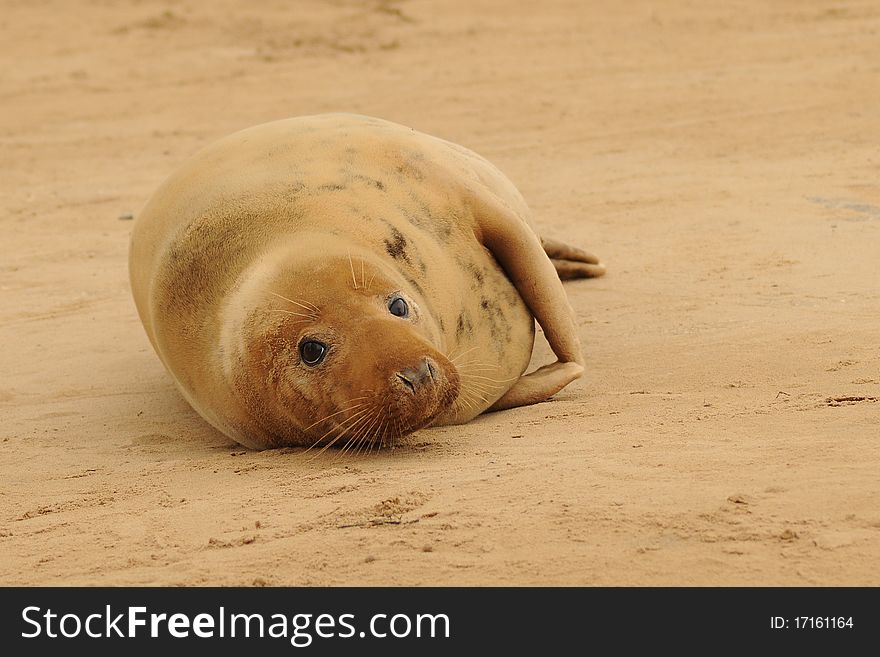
point(343, 280)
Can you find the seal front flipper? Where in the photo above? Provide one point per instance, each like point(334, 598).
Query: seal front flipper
point(570, 261)
point(520, 253)
point(539, 386)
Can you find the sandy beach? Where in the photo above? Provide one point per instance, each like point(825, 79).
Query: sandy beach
point(723, 161)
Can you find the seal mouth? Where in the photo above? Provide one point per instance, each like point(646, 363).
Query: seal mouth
point(374, 427)
point(414, 398)
point(378, 426)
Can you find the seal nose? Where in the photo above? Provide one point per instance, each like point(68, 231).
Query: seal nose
point(416, 377)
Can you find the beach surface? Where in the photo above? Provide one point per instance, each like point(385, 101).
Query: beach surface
point(721, 158)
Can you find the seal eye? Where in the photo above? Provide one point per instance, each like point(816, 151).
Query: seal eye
point(312, 352)
point(398, 307)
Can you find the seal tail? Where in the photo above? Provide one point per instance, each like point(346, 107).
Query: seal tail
point(570, 261)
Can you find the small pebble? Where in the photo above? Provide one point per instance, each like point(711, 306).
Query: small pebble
point(126, 217)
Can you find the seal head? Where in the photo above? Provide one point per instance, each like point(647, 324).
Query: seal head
point(317, 367)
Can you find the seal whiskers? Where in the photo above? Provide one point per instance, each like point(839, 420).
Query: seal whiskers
point(396, 432)
point(345, 423)
point(357, 429)
point(486, 379)
point(354, 440)
point(453, 360)
point(342, 410)
point(350, 427)
point(312, 308)
point(290, 312)
point(370, 435)
point(353, 279)
point(476, 385)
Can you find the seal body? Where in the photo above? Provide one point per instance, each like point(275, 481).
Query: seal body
point(329, 280)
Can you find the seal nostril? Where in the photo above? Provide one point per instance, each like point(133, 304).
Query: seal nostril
point(407, 382)
point(419, 376)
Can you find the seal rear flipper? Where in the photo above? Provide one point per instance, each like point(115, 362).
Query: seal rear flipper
point(571, 269)
point(570, 261)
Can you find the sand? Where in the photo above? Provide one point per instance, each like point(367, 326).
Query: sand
point(721, 158)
